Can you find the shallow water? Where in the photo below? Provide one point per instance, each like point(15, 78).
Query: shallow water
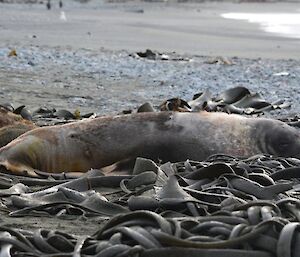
point(281, 24)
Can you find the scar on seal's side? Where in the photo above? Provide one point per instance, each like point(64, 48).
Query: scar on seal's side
point(168, 136)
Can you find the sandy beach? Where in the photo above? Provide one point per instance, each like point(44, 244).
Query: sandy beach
point(196, 29)
point(82, 61)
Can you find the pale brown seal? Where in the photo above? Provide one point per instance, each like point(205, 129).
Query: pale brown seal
point(166, 136)
point(12, 126)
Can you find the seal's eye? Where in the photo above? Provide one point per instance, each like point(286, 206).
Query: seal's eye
point(282, 145)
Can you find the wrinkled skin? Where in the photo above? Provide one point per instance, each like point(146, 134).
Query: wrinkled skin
point(164, 136)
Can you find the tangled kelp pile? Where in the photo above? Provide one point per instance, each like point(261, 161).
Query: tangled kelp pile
point(237, 100)
point(154, 55)
point(223, 205)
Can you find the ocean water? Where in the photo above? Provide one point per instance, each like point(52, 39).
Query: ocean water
point(281, 24)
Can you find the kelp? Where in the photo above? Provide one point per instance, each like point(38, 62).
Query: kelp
point(221, 206)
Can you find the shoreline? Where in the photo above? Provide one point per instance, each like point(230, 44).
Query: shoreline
point(187, 28)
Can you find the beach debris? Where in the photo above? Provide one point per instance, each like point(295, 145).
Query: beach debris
point(154, 55)
point(31, 63)
point(12, 53)
point(175, 104)
point(45, 116)
point(292, 120)
point(219, 60)
point(281, 74)
point(7, 106)
point(146, 107)
point(149, 54)
point(24, 112)
point(238, 100)
point(136, 10)
point(77, 114)
point(64, 114)
point(128, 111)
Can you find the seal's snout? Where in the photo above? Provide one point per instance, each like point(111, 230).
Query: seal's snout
point(294, 142)
point(282, 140)
point(297, 144)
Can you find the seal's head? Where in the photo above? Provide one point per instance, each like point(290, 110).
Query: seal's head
point(277, 138)
point(21, 156)
point(52, 149)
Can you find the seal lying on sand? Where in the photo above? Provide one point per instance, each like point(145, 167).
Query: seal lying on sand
point(166, 136)
point(12, 126)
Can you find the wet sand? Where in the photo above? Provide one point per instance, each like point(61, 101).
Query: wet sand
point(195, 29)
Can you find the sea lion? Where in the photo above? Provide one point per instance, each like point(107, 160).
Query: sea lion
point(165, 136)
point(12, 126)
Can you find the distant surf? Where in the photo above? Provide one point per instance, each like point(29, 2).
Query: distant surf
point(282, 24)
